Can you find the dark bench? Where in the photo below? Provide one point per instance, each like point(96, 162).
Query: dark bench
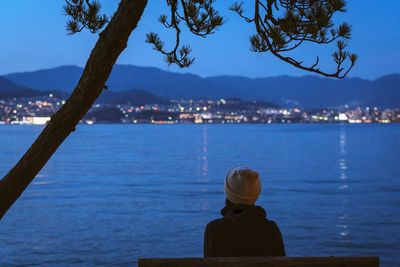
point(264, 262)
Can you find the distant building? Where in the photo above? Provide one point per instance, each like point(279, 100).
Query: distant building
point(35, 120)
point(343, 117)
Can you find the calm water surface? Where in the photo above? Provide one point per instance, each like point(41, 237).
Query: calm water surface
point(113, 193)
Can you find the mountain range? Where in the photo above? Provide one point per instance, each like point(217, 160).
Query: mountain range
point(305, 91)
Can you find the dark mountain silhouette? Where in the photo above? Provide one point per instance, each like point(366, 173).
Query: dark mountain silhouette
point(123, 77)
point(62, 78)
point(133, 97)
point(235, 104)
point(106, 115)
point(305, 91)
point(8, 89)
point(7, 85)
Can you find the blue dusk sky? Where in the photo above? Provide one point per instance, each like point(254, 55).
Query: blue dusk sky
point(33, 37)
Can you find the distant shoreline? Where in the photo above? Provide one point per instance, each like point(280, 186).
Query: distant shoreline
point(203, 124)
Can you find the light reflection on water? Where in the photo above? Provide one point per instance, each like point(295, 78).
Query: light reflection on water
point(205, 150)
point(113, 193)
point(343, 223)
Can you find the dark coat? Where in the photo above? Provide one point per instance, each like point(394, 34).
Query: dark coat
point(244, 231)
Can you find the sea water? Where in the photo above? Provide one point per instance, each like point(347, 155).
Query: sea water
point(114, 193)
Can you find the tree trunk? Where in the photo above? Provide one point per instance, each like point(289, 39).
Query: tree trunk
point(112, 41)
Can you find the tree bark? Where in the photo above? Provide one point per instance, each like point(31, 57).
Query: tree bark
point(112, 41)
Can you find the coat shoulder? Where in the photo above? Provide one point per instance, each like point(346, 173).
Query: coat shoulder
point(215, 224)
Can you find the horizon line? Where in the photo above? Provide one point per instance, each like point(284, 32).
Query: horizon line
point(203, 77)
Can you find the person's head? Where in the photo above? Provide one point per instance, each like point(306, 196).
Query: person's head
point(242, 186)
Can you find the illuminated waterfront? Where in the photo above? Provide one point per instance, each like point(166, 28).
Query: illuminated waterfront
point(227, 111)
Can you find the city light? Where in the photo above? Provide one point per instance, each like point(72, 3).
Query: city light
point(38, 110)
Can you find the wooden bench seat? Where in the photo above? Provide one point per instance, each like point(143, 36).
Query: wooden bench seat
point(263, 262)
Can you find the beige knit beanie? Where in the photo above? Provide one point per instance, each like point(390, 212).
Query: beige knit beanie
point(242, 186)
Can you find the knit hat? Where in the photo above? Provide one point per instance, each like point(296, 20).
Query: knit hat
point(242, 186)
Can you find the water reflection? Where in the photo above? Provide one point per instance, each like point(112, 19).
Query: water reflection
point(204, 159)
point(205, 151)
point(343, 185)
